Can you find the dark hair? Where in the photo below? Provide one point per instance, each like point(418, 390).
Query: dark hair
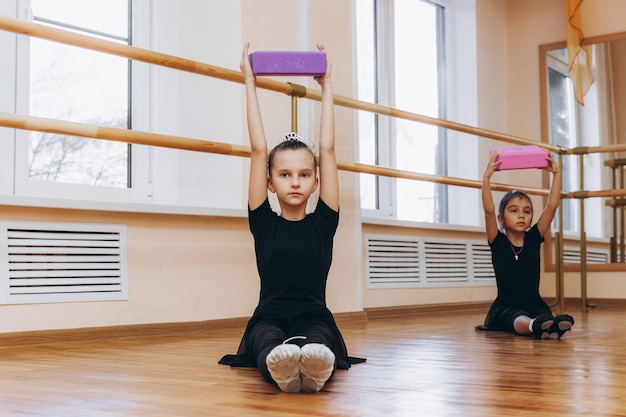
point(288, 145)
point(508, 196)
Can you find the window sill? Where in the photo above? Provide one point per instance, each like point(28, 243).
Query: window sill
point(379, 221)
point(70, 204)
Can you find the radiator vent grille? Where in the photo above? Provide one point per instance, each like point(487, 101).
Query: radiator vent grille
point(62, 262)
point(573, 256)
point(395, 261)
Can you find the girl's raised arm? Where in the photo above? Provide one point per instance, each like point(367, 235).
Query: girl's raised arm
point(257, 186)
point(554, 197)
point(329, 180)
point(491, 220)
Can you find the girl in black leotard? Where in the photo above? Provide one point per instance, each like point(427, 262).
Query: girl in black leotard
point(515, 255)
point(292, 337)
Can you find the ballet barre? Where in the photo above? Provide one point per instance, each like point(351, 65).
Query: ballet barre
point(295, 91)
point(182, 64)
point(42, 124)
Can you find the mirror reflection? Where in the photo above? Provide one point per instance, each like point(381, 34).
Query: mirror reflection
point(598, 122)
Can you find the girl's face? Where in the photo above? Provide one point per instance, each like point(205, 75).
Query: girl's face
point(518, 214)
point(293, 176)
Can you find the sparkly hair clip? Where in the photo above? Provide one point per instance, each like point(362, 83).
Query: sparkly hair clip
point(293, 136)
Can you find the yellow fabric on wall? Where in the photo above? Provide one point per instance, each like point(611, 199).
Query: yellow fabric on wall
point(580, 60)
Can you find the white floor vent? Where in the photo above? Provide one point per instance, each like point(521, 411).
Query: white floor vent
point(62, 262)
point(396, 261)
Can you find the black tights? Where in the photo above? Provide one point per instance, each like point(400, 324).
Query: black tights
point(266, 336)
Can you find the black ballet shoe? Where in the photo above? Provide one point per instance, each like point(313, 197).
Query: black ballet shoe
point(562, 324)
point(542, 326)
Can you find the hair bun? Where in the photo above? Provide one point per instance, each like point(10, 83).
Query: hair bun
point(293, 136)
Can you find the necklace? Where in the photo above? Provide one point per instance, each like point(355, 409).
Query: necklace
point(516, 253)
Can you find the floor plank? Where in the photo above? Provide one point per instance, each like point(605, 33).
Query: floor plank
point(425, 364)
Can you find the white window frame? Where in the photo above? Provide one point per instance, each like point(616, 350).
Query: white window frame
point(460, 97)
point(139, 191)
point(164, 101)
point(7, 100)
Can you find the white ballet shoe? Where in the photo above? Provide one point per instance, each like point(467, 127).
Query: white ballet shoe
point(317, 363)
point(283, 363)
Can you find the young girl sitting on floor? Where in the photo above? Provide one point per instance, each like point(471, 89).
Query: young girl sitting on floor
point(292, 337)
point(515, 254)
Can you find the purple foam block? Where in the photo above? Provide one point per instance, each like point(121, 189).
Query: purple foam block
point(288, 63)
point(521, 157)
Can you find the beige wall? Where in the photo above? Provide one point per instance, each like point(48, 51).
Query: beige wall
point(192, 268)
point(181, 268)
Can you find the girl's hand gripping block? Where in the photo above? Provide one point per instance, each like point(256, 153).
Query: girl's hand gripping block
point(288, 63)
point(521, 157)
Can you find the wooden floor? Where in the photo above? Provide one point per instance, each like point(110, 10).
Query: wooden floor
point(429, 364)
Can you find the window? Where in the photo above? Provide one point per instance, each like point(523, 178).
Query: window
point(563, 129)
point(53, 80)
point(75, 84)
point(403, 60)
point(403, 54)
point(79, 85)
point(571, 126)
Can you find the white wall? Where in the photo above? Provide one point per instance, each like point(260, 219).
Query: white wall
point(195, 106)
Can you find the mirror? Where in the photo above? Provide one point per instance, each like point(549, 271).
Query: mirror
point(596, 123)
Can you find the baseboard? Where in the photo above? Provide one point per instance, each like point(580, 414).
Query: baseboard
point(575, 303)
point(39, 337)
point(160, 329)
point(350, 317)
point(410, 310)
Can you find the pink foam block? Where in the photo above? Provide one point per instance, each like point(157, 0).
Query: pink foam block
point(521, 157)
point(288, 63)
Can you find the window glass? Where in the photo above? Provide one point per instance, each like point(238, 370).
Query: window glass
point(563, 133)
point(400, 61)
point(75, 84)
point(416, 90)
point(573, 125)
point(109, 17)
point(367, 92)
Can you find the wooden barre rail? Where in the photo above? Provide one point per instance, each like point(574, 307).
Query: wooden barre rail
point(595, 194)
point(171, 61)
point(137, 137)
point(174, 62)
point(584, 150)
point(41, 124)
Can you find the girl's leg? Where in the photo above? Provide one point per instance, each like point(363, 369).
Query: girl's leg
point(277, 362)
point(522, 325)
point(539, 327)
